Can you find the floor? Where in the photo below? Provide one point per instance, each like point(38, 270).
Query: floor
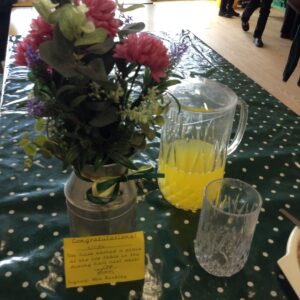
point(263, 65)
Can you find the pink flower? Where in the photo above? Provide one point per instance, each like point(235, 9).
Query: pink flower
point(40, 32)
point(102, 14)
point(147, 50)
point(20, 57)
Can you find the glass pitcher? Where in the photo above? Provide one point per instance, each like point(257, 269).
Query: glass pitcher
point(195, 139)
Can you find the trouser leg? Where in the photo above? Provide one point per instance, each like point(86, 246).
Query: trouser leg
point(249, 9)
point(263, 17)
point(4, 25)
point(230, 4)
point(223, 6)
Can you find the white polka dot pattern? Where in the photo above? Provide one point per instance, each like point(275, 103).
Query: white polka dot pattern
point(34, 211)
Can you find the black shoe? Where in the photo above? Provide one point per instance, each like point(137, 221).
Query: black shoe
point(258, 42)
point(245, 25)
point(233, 13)
point(224, 14)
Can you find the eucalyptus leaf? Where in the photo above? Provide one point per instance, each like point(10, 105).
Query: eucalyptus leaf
point(88, 27)
point(94, 37)
point(44, 8)
point(109, 61)
point(101, 48)
point(132, 28)
point(66, 88)
point(130, 8)
point(54, 17)
point(73, 22)
point(59, 54)
point(105, 118)
point(66, 22)
point(95, 70)
point(169, 83)
point(76, 101)
point(97, 106)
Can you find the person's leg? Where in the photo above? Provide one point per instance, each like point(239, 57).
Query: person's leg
point(223, 9)
point(223, 5)
point(262, 19)
point(249, 10)
point(230, 4)
point(230, 9)
point(4, 25)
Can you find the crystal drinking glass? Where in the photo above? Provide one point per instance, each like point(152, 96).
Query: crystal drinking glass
point(227, 222)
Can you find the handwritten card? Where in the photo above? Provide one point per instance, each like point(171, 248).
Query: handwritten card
point(104, 259)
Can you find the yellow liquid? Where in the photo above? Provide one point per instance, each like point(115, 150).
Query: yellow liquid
point(188, 168)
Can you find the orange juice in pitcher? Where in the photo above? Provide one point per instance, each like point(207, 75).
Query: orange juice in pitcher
point(195, 139)
point(188, 169)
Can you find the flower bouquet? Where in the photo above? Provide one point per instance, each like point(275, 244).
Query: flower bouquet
point(98, 84)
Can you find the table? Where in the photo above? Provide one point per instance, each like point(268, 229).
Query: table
point(34, 221)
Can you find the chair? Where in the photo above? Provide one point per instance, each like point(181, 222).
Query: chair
point(294, 53)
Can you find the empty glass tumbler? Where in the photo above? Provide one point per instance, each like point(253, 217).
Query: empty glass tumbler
point(227, 222)
point(195, 139)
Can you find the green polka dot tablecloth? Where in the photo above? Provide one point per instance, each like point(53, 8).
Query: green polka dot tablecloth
point(34, 221)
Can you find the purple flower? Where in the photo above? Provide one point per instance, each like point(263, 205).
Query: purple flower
point(125, 19)
point(176, 52)
point(32, 56)
point(35, 108)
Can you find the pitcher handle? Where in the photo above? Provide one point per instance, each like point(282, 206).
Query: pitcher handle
point(241, 126)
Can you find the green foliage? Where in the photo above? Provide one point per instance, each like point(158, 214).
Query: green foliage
point(90, 38)
point(44, 8)
point(131, 28)
point(106, 190)
point(58, 53)
point(96, 109)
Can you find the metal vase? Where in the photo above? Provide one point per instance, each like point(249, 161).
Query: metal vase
point(87, 218)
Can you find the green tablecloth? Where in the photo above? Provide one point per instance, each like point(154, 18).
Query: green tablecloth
point(34, 222)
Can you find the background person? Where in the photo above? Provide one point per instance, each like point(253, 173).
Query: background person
point(265, 7)
point(5, 9)
point(226, 9)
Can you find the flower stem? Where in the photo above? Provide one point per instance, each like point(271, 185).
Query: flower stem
point(132, 83)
